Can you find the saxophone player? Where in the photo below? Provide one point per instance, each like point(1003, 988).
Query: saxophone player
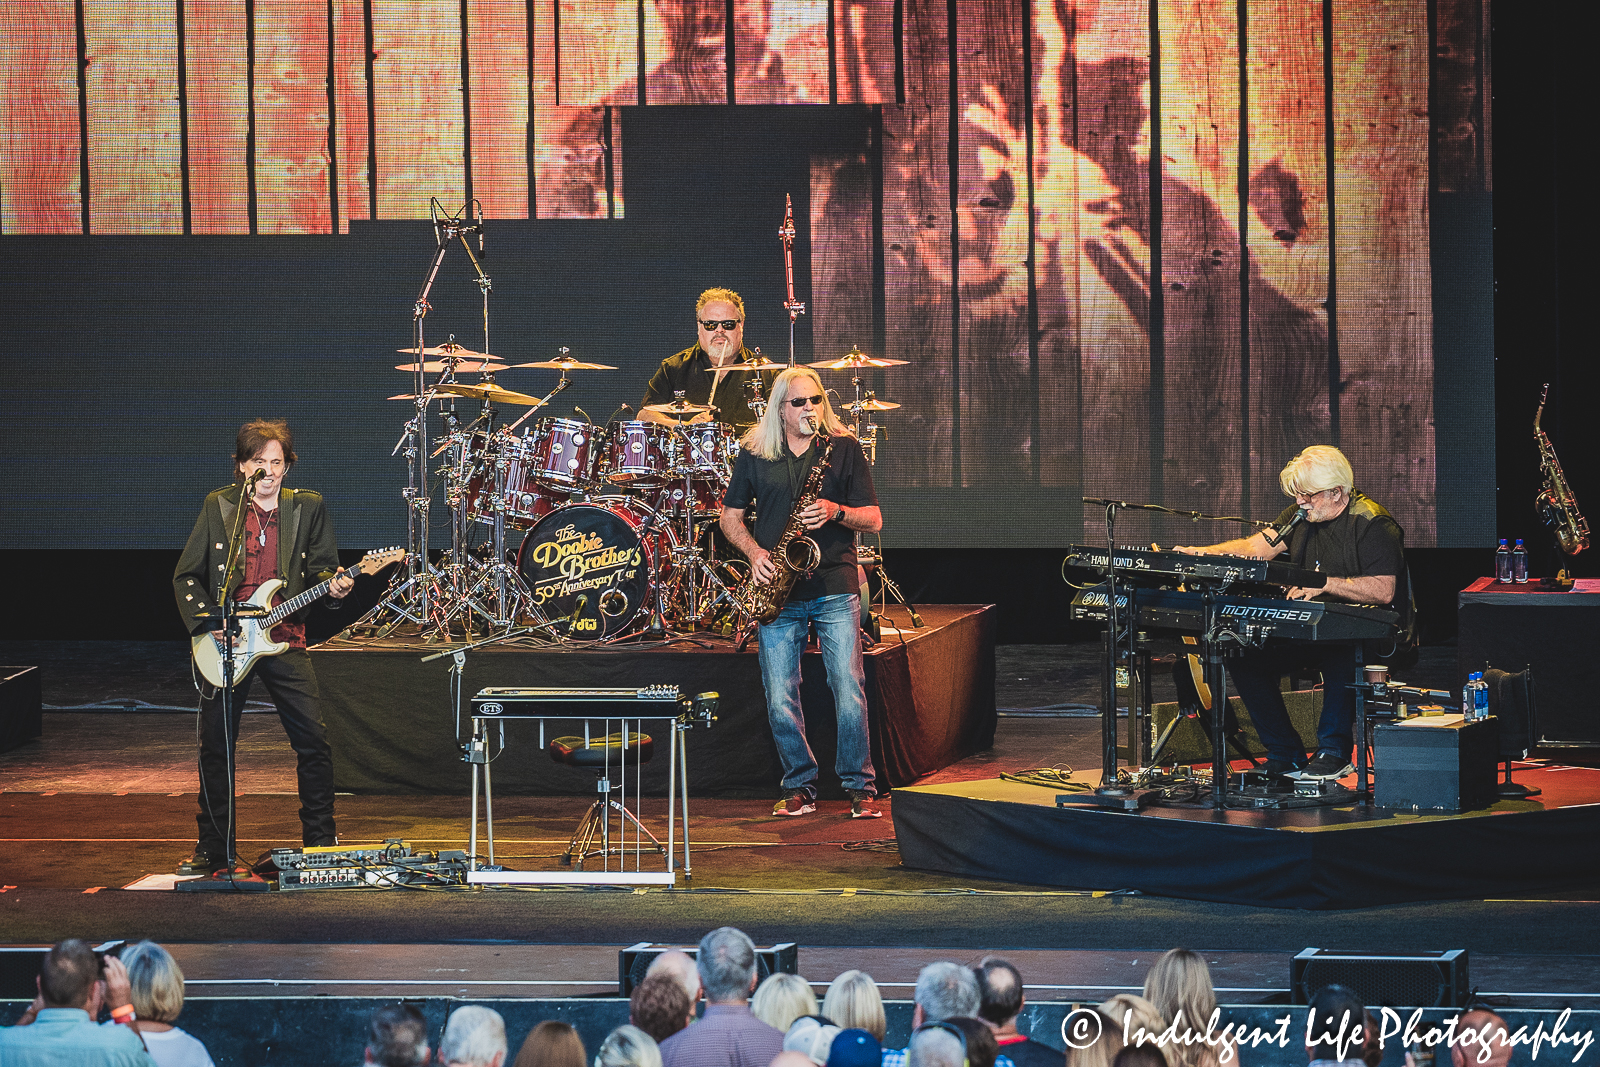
point(798, 431)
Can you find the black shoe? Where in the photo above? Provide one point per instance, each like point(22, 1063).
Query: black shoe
point(200, 865)
point(1280, 768)
point(1326, 766)
point(861, 805)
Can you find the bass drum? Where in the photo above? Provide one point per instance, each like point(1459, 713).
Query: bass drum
point(593, 567)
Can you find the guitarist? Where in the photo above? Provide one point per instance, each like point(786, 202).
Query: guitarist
point(287, 535)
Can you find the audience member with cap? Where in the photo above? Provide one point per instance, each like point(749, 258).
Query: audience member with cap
point(59, 1026)
point(854, 1047)
point(812, 1036)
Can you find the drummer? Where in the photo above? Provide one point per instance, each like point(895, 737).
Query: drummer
point(698, 370)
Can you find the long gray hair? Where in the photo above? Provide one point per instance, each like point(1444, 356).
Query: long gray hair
point(766, 437)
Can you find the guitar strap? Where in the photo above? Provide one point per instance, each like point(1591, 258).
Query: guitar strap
point(288, 524)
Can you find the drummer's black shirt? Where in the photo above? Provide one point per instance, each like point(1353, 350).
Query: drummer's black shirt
point(690, 370)
point(774, 485)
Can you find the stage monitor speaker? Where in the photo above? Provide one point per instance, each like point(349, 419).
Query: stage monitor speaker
point(1422, 980)
point(19, 967)
point(635, 960)
point(20, 708)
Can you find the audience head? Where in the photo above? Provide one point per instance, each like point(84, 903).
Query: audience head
point(551, 1044)
point(811, 1036)
point(628, 1046)
point(999, 990)
point(1102, 1051)
point(156, 982)
point(1181, 981)
point(475, 1036)
point(982, 1048)
point(945, 990)
point(936, 1045)
point(781, 999)
point(1336, 1010)
point(1487, 1029)
point(853, 1000)
point(1140, 1056)
point(680, 965)
point(659, 1006)
point(727, 965)
point(1139, 1014)
point(854, 1047)
point(791, 1059)
point(398, 1037)
point(68, 976)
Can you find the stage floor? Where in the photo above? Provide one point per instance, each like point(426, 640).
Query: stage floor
point(1331, 857)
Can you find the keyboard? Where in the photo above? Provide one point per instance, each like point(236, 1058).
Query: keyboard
point(1252, 616)
point(1151, 567)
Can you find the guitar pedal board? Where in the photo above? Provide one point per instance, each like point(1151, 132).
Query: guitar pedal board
point(392, 865)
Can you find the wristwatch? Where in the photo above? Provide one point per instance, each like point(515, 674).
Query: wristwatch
point(838, 516)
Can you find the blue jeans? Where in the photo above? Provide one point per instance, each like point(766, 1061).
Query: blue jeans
point(838, 622)
point(1256, 675)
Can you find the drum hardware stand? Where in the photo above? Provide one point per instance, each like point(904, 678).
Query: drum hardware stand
point(786, 234)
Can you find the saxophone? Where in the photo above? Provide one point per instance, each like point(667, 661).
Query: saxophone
point(793, 555)
point(1558, 509)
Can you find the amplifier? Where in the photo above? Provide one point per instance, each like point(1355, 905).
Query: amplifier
point(1444, 767)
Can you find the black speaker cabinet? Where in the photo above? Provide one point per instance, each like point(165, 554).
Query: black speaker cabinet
point(635, 960)
point(20, 706)
point(1424, 980)
point(1446, 767)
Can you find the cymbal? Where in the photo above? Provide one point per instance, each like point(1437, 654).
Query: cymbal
point(856, 359)
point(566, 364)
point(678, 408)
point(872, 404)
point(488, 392)
point(440, 366)
point(756, 362)
point(448, 352)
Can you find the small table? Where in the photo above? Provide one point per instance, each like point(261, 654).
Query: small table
point(621, 710)
point(1556, 633)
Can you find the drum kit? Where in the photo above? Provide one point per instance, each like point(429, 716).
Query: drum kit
point(568, 529)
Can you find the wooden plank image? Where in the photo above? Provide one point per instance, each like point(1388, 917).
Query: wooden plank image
point(864, 51)
point(1287, 231)
point(135, 180)
point(39, 160)
point(598, 55)
point(417, 87)
point(916, 236)
point(216, 59)
point(1090, 169)
point(352, 135)
point(497, 59)
point(1385, 286)
point(686, 52)
point(291, 103)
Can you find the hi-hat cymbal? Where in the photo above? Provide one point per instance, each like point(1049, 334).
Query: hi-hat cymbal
point(491, 393)
point(566, 364)
point(448, 352)
point(678, 408)
point(440, 366)
point(856, 359)
point(871, 404)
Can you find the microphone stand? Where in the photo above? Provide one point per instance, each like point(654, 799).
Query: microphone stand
point(786, 234)
point(230, 628)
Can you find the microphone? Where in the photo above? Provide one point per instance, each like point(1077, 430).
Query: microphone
point(1277, 539)
point(261, 472)
point(577, 410)
point(622, 409)
point(479, 205)
point(572, 620)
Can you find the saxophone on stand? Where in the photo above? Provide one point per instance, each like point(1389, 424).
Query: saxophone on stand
point(1558, 508)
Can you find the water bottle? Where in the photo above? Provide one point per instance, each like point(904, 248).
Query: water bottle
point(1480, 698)
point(1502, 562)
point(1469, 703)
point(1519, 563)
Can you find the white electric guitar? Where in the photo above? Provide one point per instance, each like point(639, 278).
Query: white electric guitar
point(255, 633)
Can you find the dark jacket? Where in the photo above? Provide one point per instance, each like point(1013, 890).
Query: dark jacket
point(308, 553)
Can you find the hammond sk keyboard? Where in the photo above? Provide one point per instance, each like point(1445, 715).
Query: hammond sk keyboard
point(1253, 617)
point(1151, 567)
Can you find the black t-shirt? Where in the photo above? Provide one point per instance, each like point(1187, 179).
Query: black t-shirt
point(776, 484)
point(1363, 541)
point(690, 370)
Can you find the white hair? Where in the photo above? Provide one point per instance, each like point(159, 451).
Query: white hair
point(473, 1035)
point(628, 1046)
point(766, 438)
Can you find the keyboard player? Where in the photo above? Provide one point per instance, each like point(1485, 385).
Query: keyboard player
point(1348, 536)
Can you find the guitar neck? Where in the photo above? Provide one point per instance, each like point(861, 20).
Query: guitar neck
point(289, 607)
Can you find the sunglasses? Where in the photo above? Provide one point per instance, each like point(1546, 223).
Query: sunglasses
point(802, 401)
point(711, 324)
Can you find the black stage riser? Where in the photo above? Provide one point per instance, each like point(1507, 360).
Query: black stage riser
point(930, 702)
point(258, 1032)
point(1251, 858)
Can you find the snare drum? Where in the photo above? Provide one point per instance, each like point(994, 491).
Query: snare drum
point(708, 449)
point(637, 453)
point(503, 480)
point(565, 453)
